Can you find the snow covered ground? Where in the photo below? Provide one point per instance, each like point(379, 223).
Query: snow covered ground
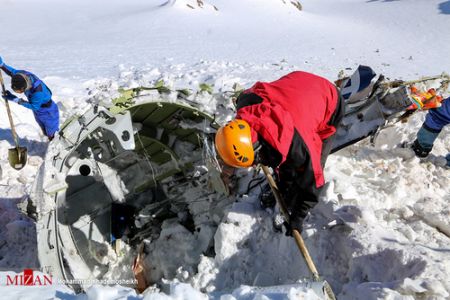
point(381, 230)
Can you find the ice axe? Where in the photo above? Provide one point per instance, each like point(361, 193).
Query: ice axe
point(296, 234)
point(17, 156)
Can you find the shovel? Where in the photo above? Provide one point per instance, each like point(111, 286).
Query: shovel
point(297, 236)
point(17, 156)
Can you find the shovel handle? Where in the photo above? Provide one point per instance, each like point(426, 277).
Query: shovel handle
point(11, 122)
point(309, 262)
point(2, 83)
point(297, 236)
point(277, 194)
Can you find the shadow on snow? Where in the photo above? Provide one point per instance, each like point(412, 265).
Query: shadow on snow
point(34, 147)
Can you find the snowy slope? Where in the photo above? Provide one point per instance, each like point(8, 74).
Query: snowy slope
point(381, 229)
point(89, 39)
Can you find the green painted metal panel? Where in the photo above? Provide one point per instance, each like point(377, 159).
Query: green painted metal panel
point(160, 115)
point(162, 157)
point(143, 141)
point(140, 112)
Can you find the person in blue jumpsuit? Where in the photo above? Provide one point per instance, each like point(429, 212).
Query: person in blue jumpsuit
point(39, 98)
point(436, 119)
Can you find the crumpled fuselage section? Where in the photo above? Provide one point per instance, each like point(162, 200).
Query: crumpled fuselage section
point(112, 182)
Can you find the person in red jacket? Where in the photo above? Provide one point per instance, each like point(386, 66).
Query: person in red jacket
point(289, 125)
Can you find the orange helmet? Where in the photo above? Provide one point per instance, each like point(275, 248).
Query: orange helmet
point(234, 144)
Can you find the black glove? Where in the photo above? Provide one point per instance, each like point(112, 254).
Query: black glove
point(7, 95)
point(267, 155)
point(296, 223)
point(419, 150)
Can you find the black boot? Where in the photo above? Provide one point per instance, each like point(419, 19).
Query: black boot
point(419, 150)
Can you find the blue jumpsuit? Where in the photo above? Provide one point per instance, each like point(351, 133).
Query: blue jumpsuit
point(435, 120)
point(39, 96)
point(438, 118)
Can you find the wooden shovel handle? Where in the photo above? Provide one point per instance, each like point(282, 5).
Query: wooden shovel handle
point(297, 236)
point(309, 262)
point(11, 122)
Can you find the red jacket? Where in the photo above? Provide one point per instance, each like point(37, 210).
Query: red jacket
point(301, 101)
